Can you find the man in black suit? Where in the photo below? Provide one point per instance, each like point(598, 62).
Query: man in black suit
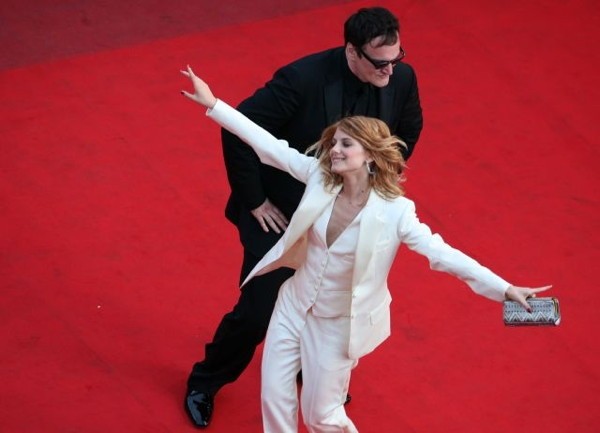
point(365, 77)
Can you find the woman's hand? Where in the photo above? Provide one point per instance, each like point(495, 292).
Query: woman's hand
point(521, 294)
point(202, 94)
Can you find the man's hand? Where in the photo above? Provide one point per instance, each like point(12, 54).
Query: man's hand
point(268, 215)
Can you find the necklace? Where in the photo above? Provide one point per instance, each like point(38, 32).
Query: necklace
point(360, 198)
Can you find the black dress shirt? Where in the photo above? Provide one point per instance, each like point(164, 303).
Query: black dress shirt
point(359, 98)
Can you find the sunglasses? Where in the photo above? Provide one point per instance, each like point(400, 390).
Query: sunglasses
point(380, 64)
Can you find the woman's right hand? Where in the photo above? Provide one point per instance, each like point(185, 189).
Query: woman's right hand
point(202, 93)
point(522, 294)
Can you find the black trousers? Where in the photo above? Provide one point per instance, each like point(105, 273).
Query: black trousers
point(240, 331)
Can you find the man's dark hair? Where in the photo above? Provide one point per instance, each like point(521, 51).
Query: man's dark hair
point(369, 23)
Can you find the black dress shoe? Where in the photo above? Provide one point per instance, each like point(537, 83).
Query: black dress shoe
point(199, 406)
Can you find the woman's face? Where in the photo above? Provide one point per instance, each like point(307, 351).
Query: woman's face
point(347, 154)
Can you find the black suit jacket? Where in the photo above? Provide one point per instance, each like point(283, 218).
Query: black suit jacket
point(296, 105)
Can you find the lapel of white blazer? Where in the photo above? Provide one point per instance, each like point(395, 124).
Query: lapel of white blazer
point(312, 204)
point(314, 201)
point(371, 223)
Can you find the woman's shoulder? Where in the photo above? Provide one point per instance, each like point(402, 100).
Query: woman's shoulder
point(400, 202)
point(399, 208)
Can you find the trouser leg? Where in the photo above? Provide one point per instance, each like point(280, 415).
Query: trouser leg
point(240, 331)
point(326, 372)
point(280, 365)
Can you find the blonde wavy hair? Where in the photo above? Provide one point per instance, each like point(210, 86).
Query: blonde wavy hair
point(375, 136)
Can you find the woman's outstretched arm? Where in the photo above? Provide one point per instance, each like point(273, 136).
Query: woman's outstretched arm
point(270, 150)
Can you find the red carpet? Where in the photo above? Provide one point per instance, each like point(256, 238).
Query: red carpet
point(117, 262)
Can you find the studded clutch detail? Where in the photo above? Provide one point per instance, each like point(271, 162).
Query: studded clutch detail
point(545, 312)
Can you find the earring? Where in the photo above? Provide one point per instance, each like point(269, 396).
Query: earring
point(370, 168)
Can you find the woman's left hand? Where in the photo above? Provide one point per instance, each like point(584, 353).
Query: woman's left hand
point(202, 93)
point(521, 294)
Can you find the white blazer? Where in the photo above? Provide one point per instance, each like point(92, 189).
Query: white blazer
point(385, 225)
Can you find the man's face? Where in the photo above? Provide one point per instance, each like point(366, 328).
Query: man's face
point(363, 68)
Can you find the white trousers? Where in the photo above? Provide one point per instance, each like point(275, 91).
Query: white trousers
point(319, 346)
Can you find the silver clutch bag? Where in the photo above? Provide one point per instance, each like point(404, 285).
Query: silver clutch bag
point(545, 312)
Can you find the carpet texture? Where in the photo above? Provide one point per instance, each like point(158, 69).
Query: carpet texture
point(117, 262)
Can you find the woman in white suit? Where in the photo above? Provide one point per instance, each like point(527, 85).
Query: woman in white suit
point(342, 241)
